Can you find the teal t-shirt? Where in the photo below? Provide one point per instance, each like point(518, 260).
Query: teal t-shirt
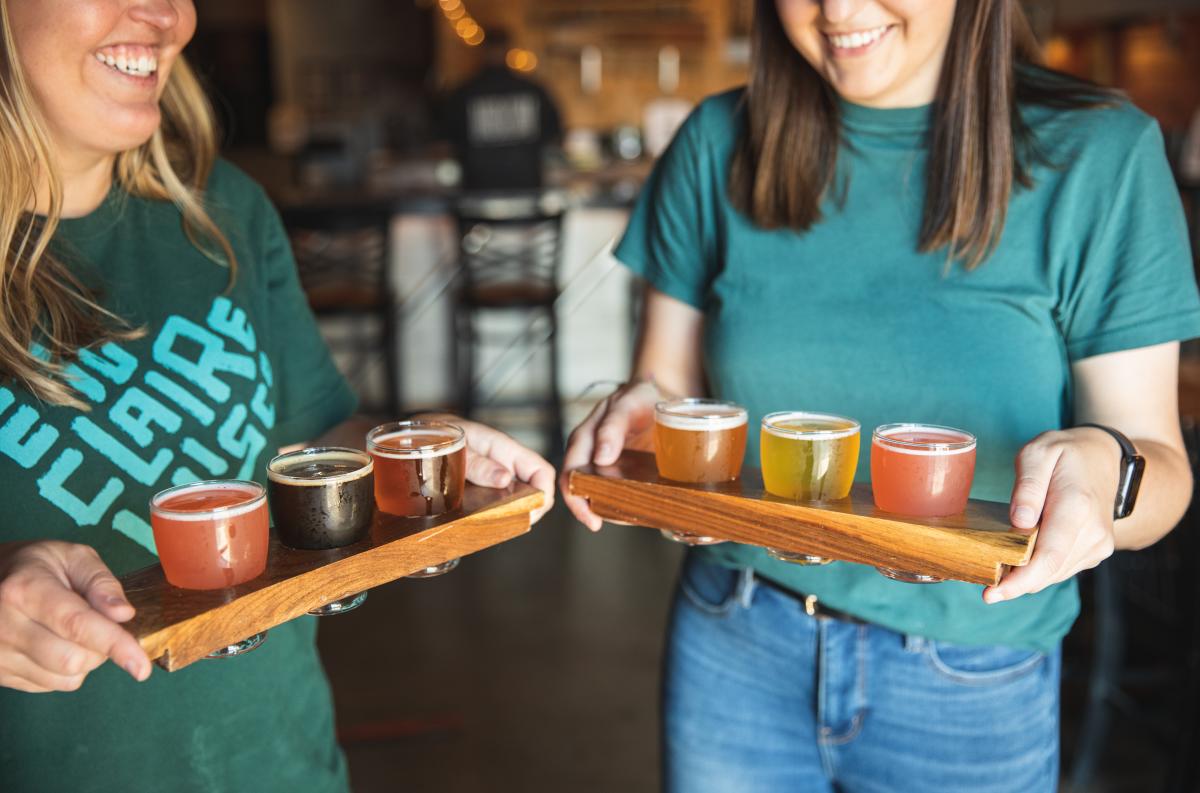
point(220, 380)
point(849, 318)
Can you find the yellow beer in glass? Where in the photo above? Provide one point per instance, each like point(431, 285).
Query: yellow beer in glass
point(808, 457)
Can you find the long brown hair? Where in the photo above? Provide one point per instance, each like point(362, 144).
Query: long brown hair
point(786, 159)
point(42, 302)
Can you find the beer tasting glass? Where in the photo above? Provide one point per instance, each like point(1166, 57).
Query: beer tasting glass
point(323, 498)
point(420, 471)
point(922, 470)
point(701, 441)
point(212, 535)
point(808, 457)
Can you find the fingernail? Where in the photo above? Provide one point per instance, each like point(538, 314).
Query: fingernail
point(994, 596)
point(604, 452)
point(113, 600)
point(135, 671)
point(499, 480)
point(1024, 516)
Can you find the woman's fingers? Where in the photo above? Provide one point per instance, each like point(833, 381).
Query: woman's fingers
point(89, 576)
point(61, 660)
point(1035, 466)
point(580, 446)
point(483, 470)
point(63, 612)
point(23, 674)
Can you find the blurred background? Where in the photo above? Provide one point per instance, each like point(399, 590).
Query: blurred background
point(452, 174)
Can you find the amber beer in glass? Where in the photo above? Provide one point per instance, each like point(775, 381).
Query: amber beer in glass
point(923, 470)
point(699, 440)
point(808, 457)
point(211, 535)
point(420, 467)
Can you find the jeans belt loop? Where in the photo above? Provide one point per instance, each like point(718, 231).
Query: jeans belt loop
point(810, 605)
point(745, 587)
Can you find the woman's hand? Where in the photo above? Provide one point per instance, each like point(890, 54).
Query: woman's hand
point(1066, 484)
point(493, 459)
point(59, 612)
point(623, 420)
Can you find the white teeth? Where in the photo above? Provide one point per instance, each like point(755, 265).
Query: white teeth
point(857, 39)
point(141, 66)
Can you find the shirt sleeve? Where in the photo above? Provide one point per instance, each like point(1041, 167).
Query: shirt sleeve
point(1135, 285)
point(667, 241)
point(311, 395)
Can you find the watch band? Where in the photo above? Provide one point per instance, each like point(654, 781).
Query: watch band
point(1133, 465)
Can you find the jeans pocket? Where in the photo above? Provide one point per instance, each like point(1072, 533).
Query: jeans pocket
point(709, 587)
point(980, 666)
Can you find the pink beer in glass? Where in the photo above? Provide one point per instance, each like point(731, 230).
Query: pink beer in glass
point(923, 470)
point(211, 535)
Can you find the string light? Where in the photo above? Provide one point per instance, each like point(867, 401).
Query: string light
point(521, 60)
point(465, 26)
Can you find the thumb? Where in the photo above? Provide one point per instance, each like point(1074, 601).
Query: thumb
point(92, 579)
point(487, 472)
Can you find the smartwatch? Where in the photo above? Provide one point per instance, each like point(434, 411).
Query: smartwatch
point(1133, 465)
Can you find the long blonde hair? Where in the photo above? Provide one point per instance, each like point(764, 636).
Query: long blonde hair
point(42, 303)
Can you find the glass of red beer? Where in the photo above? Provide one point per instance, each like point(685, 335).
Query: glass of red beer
point(212, 535)
point(420, 471)
point(700, 441)
point(923, 470)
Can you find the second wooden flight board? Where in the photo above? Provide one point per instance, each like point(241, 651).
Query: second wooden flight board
point(975, 546)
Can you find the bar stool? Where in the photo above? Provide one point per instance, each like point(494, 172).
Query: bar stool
point(342, 258)
point(509, 251)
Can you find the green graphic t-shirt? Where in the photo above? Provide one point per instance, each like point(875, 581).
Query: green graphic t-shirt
point(220, 380)
point(849, 318)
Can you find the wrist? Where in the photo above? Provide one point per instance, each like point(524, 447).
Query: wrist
point(1130, 467)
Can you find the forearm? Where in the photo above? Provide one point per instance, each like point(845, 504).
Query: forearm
point(1162, 500)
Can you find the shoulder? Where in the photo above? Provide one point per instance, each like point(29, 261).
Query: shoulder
point(717, 118)
point(230, 187)
point(1104, 136)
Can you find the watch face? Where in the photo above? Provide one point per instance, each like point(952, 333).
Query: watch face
point(1132, 468)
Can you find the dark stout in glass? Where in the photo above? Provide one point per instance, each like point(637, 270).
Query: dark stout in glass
point(420, 467)
point(322, 498)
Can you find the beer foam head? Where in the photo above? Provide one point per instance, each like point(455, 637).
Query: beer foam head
point(931, 439)
point(253, 497)
point(797, 424)
point(412, 440)
point(704, 415)
point(289, 468)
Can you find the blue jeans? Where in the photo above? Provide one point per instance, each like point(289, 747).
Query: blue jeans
point(759, 696)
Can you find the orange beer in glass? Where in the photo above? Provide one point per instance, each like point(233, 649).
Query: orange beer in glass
point(420, 471)
point(699, 440)
point(808, 457)
point(420, 467)
point(211, 534)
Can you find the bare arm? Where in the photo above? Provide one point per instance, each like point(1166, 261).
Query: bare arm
point(1066, 480)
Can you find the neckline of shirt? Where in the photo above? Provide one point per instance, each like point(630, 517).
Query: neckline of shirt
point(908, 124)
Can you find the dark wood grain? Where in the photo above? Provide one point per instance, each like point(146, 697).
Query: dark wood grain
point(974, 546)
point(179, 626)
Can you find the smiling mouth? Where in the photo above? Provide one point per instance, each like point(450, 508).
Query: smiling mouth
point(856, 42)
point(131, 61)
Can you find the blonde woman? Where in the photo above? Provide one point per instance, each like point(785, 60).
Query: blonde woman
point(152, 331)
